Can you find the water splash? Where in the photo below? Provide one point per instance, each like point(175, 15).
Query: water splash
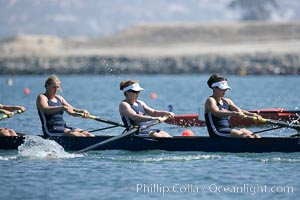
point(35, 147)
point(8, 157)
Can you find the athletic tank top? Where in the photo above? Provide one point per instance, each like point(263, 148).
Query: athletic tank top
point(138, 110)
point(214, 124)
point(52, 122)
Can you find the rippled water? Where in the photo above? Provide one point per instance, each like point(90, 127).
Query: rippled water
point(41, 169)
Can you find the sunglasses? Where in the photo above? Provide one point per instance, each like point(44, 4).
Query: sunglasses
point(136, 92)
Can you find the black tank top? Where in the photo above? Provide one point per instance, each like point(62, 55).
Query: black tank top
point(138, 110)
point(213, 123)
point(52, 121)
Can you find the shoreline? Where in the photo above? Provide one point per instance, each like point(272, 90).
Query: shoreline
point(242, 64)
point(237, 48)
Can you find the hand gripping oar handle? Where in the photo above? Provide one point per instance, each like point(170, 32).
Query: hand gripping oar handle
point(100, 119)
point(275, 122)
point(6, 116)
point(130, 132)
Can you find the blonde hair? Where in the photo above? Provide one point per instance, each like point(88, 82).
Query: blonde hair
point(51, 79)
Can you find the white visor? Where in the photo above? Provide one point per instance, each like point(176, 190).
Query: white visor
point(134, 87)
point(222, 85)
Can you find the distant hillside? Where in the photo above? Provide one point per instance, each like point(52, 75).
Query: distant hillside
point(166, 34)
point(165, 40)
point(236, 48)
point(159, 40)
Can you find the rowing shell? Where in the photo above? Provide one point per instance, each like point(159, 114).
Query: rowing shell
point(177, 143)
point(187, 120)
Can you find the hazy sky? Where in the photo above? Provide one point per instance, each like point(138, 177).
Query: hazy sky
point(94, 18)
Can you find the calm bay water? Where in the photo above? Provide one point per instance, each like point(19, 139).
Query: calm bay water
point(29, 174)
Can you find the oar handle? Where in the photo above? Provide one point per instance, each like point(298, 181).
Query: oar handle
point(275, 122)
point(164, 118)
point(15, 112)
point(79, 114)
point(263, 120)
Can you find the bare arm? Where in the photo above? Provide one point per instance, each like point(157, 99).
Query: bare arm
point(156, 113)
point(126, 110)
point(8, 110)
point(5, 111)
point(42, 105)
point(252, 114)
point(211, 106)
point(72, 111)
point(241, 112)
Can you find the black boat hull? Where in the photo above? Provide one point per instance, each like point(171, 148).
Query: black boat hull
point(179, 143)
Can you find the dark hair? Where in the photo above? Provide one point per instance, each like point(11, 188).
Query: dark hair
point(126, 83)
point(214, 78)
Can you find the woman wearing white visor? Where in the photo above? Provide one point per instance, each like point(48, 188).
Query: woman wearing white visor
point(218, 110)
point(135, 112)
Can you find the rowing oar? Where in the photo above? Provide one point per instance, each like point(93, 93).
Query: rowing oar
point(7, 116)
point(276, 111)
point(100, 119)
point(269, 129)
point(102, 129)
point(274, 122)
point(127, 133)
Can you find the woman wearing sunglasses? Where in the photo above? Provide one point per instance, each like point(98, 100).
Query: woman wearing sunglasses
point(219, 109)
point(135, 112)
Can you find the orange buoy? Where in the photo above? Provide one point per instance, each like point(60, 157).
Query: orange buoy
point(27, 91)
point(153, 95)
point(188, 133)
